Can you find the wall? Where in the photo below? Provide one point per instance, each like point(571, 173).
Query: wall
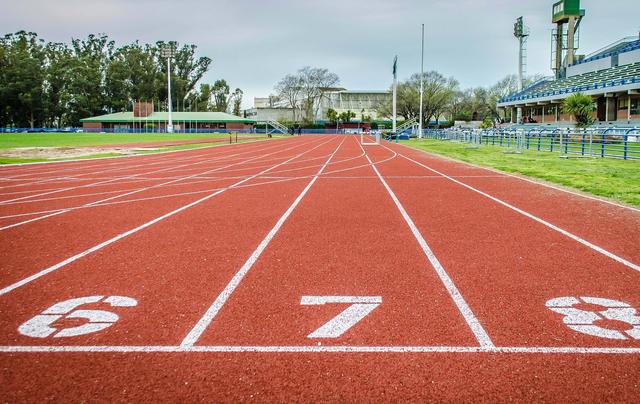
point(270, 114)
point(629, 57)
point(588, 67)
point(91, 125)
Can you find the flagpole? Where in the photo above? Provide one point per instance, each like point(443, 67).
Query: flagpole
point(395, 86)
point(421, 84)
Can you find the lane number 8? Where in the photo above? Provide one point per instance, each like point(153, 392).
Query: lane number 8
point(586, 321)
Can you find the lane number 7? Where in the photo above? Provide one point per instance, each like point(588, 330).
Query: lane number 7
point(360, 307)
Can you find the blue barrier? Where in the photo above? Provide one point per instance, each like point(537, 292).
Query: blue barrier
point(609, 142)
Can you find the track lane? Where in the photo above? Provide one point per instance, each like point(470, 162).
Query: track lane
point(509, 266)
point(65, 235)
point(614, 227)
point(336, 243)
point(202, 245)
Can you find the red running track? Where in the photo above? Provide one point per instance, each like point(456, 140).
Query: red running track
point(312, 268)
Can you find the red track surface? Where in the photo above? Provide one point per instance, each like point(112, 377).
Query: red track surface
point(229, 251)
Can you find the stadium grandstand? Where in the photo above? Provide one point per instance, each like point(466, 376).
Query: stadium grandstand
point(610, 75)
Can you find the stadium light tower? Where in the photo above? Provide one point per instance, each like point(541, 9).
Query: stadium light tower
point(565, 38)
point(421, 84)
point(521, 32)
point(395, 92)
point(169, 51)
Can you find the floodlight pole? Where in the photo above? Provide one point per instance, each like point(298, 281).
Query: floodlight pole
point(395, 91)
point(170, 123)
point(421, 84)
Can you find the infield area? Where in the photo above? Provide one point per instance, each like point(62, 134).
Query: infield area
point(312, 268)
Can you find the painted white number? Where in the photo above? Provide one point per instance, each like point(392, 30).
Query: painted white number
point(97, 320)
point(360, 307)
point(585, 321)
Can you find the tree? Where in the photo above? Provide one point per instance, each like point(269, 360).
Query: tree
point(289, 90)
point(220, 96)
point(581, 107)
point(186, 70)
point(332, 115)
point(439, 92)
point(346, 116)
point(237, 101)
point(304, 90)
point(57, 84)
point(22, 79)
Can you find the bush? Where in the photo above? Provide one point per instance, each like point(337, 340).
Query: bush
point(486, 124)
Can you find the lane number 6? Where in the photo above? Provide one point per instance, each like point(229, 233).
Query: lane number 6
point(40, 326)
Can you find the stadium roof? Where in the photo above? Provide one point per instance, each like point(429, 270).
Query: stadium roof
point(212, 117)
point(619, 78)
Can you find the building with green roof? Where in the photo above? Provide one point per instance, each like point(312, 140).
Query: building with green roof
point(143, 118)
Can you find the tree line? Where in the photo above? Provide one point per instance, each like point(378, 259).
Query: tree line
point(442, 97)
point(51, 84)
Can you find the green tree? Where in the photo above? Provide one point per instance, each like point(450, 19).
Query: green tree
point(220, 95)
point(346, 116)
point(332, 115)
point(22, 79)
point(237, 101)
point(581, 107)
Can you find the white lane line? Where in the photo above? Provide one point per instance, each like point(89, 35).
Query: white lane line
point(76, 172)
point(171, 168)
point(276, 180)
point(60, 212)
point(522, 178)
point(472, 321)
point(137, 177)
point(535, 218)
point(147, 160)
point(200, 327)
point(72, 167)
point(100, 246)
point(315, 349)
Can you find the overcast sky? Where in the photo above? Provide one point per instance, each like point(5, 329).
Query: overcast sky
point(253, 43)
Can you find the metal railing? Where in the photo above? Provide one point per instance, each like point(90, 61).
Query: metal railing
point(621, 143)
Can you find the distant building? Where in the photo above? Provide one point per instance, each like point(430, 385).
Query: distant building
point(144, 118)
point(269, 109)
point(361, 103)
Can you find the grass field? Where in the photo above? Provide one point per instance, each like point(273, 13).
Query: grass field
point(79, 140)
point(612, 178)
point(12, 140)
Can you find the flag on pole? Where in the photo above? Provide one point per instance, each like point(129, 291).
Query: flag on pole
point(395, 67)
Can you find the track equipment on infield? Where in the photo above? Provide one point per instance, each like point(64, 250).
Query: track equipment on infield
point(368, 138)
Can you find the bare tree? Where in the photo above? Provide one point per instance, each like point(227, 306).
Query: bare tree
point(289, 90)
point(305, 89)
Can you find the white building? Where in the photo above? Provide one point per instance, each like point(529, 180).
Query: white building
point(361, 103)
